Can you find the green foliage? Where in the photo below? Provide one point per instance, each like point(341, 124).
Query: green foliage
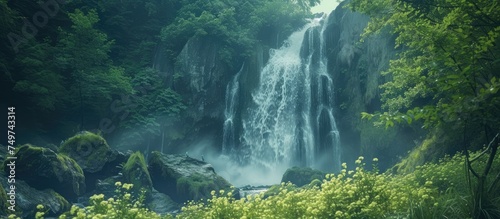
point(122, 206)
point(84, 53)
point(447, 73)
point(67, 73)
point(40, 81)
point(436, 190)
point(433, 190)
point(449, 67)
point(154, 108)
point(237, 25)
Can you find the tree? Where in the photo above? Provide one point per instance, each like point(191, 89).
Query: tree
point(448, 72)
point(84, 60)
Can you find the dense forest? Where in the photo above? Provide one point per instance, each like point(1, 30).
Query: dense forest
point(395, 103)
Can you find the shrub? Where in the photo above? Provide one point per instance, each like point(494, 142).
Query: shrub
point(435, 190)
point(122, 206)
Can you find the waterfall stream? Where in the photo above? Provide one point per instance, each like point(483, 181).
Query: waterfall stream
point(291, 119)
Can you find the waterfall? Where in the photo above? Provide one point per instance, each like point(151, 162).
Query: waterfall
point(327, 135)
point(232, 100)
point(291, 118)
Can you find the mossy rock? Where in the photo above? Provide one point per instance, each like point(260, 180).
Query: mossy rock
point(89, 150)
point(3, 202)
point(42, 168)
point(27, 198)
point(301, 176)
point(430, 150)
point(135, 171)
point(184, 178)
point(197, 186)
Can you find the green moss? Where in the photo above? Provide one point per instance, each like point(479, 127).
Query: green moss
point(44, 168)
point(195, 187)
point(136, 172)
point(428, 151)
point(301, 176)
point(89, 150)
point(67, 162)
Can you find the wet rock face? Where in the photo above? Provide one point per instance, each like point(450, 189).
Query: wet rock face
point(201, 77)
point(184, 178)
point(356, 68)
point(42, 168)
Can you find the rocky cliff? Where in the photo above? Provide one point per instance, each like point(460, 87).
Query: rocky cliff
point(356, 68)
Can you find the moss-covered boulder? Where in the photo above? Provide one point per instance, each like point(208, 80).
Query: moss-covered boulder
point(42, 168)
point(95, 157)
point(184, 178)
point(89, 150)
point(301, 176)
point(135, 171)
point(27, 198)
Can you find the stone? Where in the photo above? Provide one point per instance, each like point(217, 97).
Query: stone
point(184, 178)
point(27, 198)
point(43, 168)
point(161, 203)
point(95, 157)
point(89, 150)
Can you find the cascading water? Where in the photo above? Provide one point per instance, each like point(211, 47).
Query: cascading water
point(232, 99)
point(291, 119)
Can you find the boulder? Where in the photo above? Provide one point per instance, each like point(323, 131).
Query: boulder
point(161, 203)
point(94, 156)
point(42, 168)
point(184, 178)
point(27, 198)
point(89, 150)
point(301, 176)
point(135, 171)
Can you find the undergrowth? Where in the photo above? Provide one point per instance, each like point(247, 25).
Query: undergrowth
point(435, 190)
